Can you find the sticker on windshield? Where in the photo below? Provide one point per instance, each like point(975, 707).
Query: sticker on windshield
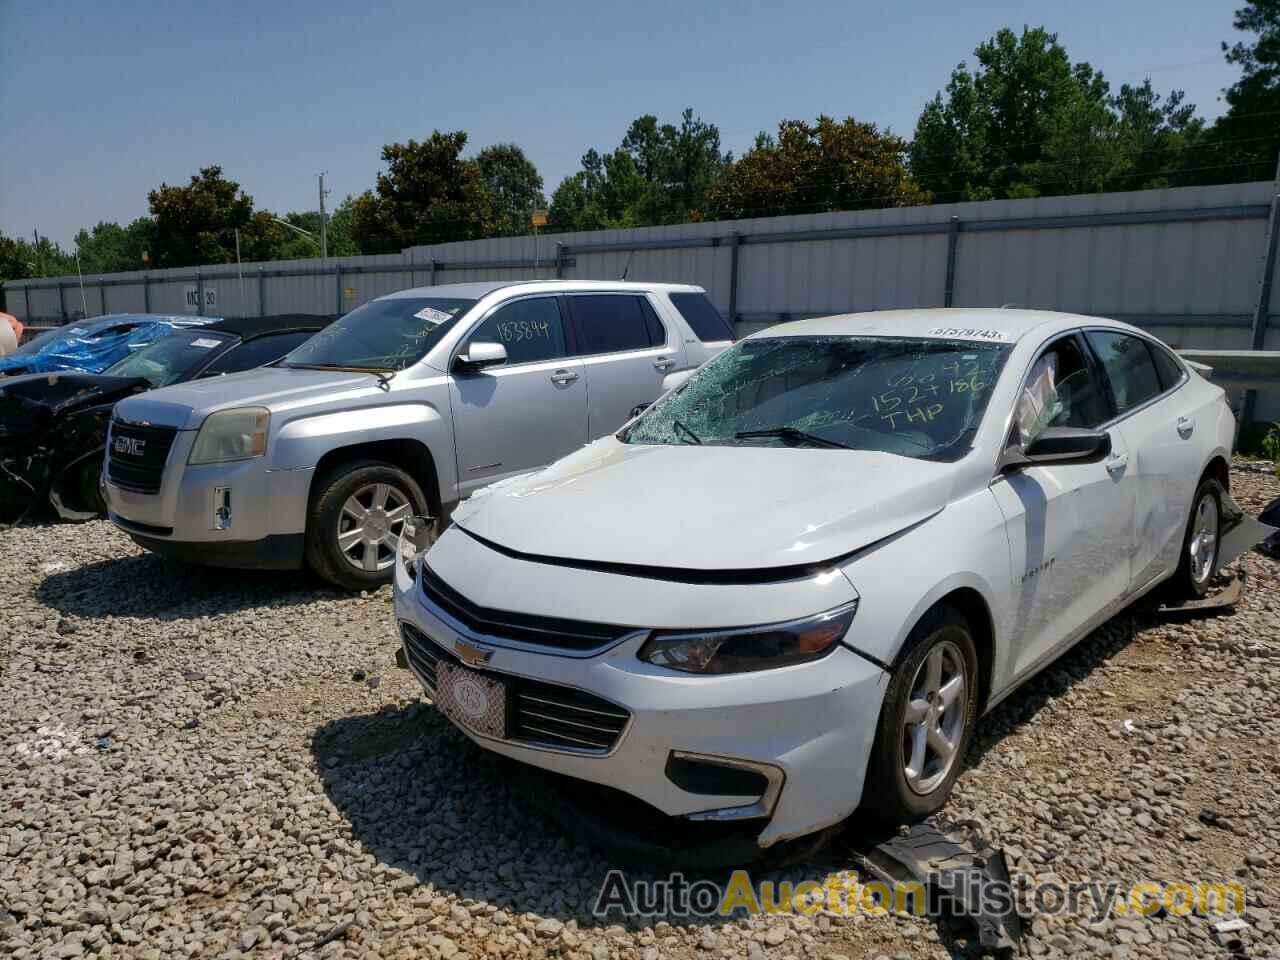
point(204, 343)
point(968, 333)
point(433, 316)
point(76, 331)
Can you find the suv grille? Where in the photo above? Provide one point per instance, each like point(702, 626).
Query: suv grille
point(538, 713)
point(522, 627)
point(136, 456)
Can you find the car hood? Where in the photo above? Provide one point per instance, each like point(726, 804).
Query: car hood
point(707, 508)
point(279, 389)
point(31, 402)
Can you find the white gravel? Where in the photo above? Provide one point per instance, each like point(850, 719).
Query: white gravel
point(210, 763)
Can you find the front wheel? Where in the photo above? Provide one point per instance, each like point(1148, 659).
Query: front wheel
point(353, 527)
point(926, 721)
point(1199, 559)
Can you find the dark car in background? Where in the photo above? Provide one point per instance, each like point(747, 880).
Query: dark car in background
point(92, 345)
point(53, 425)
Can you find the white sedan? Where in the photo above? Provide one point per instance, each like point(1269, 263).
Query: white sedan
point(789, 588)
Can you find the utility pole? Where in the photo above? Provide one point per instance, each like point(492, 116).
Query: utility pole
point(324, 242)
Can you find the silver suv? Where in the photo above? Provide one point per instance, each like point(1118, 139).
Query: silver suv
point(404, 406)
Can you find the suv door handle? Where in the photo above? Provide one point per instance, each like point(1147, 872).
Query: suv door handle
point(564, 376)
point(664, 363)
point(1186, 427)
point(1116, 465)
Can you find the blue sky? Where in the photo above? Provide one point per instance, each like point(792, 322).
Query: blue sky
point(103, 101)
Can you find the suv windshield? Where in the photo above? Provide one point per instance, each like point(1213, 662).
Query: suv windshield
point(386, 334)
point(167, 360)
point(917, 397)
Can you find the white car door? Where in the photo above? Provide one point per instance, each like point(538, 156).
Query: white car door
point(1070, 526)
point(627, 351)
point(522, 414)
point(1159, 431)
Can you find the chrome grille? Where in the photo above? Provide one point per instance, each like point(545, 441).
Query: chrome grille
point(136, 456)
point(521, 627)
point(538, 713)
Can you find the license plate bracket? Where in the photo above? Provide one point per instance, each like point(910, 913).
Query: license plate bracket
point(472, 700)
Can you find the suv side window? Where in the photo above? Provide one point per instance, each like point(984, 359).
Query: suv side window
point(1062, 390)
point(702, 316)
point(613, 322)
point(1129, 367)
point(256, 352)
point(530, 329)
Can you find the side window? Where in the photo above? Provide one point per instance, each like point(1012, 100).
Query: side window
point(1129, 367)
point(702, 316)
point(1060, 391)
point(530, 329)
point(1170, 369)
point(256, 352)
point(610, 322)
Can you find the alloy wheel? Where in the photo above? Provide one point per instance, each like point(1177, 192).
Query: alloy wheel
point(369, 526)
point(934, 719)
point(1203, 546)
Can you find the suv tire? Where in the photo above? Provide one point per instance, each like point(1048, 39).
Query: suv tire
point(387, 494)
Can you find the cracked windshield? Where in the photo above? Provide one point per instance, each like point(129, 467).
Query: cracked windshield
point(381, 335)
point(917, 397)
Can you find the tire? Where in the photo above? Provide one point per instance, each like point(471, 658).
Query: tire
point(89, 486)
point(896, 798)
point(331, 514)
point(1196, 569)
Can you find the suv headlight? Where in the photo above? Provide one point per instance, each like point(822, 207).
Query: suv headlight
point(742, 649)
point(232, 435)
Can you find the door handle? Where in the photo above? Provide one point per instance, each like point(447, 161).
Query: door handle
point(564, 376)
point(664, 363)
point(1116, 465)
point(1186, 427)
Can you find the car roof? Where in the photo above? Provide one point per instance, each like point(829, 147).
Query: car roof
point(482, 288)
point(249, 327)
point(996, 325)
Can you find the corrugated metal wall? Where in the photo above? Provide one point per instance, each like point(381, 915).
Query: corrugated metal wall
point(1183, 262)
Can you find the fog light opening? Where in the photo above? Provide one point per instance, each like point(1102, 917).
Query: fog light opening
point(222, 508)
point(726, 777)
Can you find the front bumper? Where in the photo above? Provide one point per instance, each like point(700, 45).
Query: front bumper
point(813, 723)
point(268, 511)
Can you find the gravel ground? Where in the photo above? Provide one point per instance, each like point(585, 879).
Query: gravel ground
point(199, 763)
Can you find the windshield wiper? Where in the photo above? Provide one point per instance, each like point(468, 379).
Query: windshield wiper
point(792, 435)
point(682, 429)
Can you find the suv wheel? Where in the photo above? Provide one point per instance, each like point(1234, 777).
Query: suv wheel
point(353, 526)
point(926, 721)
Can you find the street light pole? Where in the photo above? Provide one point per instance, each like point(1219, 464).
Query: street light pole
point(324, 242)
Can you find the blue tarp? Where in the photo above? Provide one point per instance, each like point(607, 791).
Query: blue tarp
point(90, 346)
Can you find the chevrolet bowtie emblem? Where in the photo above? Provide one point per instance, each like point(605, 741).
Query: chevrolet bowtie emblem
point(471, 656)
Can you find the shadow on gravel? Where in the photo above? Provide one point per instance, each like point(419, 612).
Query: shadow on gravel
point(423, 799)
point(147, 586)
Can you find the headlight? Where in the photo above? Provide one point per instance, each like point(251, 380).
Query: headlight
point(232, 435)
point(743, 649)
point(416, 537)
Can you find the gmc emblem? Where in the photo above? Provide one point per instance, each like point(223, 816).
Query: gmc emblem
point(130, 446)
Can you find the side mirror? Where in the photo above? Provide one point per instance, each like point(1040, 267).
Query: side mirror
point(1059, 445)
point(481, 355)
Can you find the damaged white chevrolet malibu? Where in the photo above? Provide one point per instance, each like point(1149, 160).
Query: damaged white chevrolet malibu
point(788, 589)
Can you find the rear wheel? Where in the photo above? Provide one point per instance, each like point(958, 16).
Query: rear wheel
point(1199, 559)
point(357, 513)
point(926, 721)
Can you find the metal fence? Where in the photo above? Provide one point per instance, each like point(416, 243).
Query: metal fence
point(1188, 263)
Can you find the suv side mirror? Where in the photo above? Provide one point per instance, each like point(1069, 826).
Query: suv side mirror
point(481, 355)
point(1059, 445)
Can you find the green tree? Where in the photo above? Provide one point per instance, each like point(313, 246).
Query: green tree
point(659, 173)
point(810, 168)
point(20, 259)
point(514, 184)
point(428, 194)
point(196, 224)
point(1027, 121)
point(1243, 142)
point(111, 248)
